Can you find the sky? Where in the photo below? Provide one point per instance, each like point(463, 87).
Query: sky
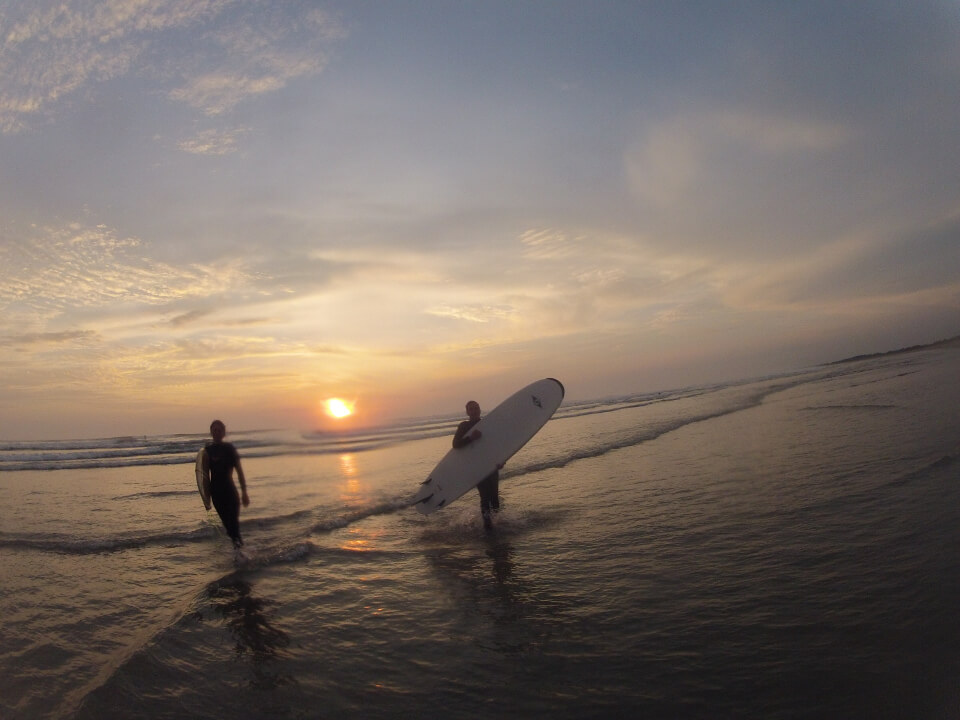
point(241, 208)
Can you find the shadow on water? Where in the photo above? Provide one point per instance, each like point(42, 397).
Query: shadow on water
point(246, 617)
point(501, 553)
point(501, 608)
point(163, 677)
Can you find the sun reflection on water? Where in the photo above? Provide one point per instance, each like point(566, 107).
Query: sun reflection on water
point(348, 465)
point(354, 491)
point(361, 540)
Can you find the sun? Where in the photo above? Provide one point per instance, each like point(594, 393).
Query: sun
point(337, 408)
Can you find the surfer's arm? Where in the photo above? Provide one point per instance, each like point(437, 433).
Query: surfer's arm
point(243, 484)
point(461, 438)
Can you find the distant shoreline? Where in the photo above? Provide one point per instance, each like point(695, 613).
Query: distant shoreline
point(953, 342)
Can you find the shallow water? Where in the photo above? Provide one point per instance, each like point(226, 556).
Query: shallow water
point(783, 548)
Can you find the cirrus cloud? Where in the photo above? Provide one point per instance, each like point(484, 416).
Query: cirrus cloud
point(52, 51)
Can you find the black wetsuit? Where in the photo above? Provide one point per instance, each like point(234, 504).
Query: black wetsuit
point(489, 487)
point(222, 458)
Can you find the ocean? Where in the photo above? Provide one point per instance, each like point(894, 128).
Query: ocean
point(778, 547)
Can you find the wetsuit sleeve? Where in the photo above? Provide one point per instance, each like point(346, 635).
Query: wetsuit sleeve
point(460, 438)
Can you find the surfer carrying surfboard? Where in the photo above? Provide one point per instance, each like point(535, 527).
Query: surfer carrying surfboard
point(222, 458)
point(489, 487)
point(476, 458)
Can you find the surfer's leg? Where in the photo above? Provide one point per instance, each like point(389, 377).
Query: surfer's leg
point(489, 489)
point(233, 528)
point(227, 503)
point(487, 499)
point(483, 487)
point(494, 491)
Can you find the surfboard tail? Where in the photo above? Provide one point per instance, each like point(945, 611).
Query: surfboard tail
point(203, 478)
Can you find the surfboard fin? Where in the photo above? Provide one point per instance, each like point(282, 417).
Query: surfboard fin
point(426, 498)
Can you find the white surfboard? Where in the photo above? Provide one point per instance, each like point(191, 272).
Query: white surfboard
point(203, 477)
point(504, 430)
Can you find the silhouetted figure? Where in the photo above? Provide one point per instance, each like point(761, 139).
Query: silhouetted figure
point(489, 487)
point(222, 458)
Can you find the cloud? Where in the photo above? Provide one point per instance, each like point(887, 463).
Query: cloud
point(214, 142)
point(869, 268)
point(226, 50)
point(215, 93)
point(52, 50)
point(774, 134)
point(56, 270)
point(50, 338)
point(733, 178)
point(251, 322)
point(549, 244)
point(188, 318)
point(260, 50)
point(473, 313)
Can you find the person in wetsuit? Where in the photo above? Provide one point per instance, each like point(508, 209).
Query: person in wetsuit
point(222, 458)
point(489, 487)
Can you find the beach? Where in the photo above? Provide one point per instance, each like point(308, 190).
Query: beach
point(776, 547)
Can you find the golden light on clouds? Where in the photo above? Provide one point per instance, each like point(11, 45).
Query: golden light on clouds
point(217, 232)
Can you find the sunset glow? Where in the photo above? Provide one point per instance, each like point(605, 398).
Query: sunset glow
point(628, 196)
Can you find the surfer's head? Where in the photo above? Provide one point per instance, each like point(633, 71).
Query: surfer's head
point(473, 409)
point(217, 430)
